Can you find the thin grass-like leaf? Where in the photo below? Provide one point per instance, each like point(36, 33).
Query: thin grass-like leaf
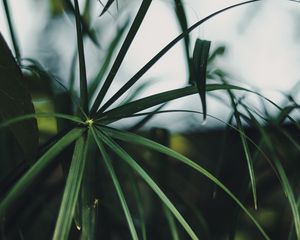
point(182, 19)
point(69, 8)
point(27, 179)
point(171, 223)
point(153, 100)
point(245, 148)
point(169, 46)
point(71, 191)
point(117, 185)
point(112, 47)
point(200, 58)
point(82, 70)
point(283, 177)
point(139, 170)
point(71, 118)
point(120, 57)
point(138, 198)
point(135, 139)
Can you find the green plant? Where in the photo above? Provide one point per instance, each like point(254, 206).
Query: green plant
point(88, 133)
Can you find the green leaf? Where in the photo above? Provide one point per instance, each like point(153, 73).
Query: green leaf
point(11, 121)
point(117, 185)
point(120, 57)
point(161, 53)
point(282, 175)
point(82, 70)
point(15, 100)
point(153, 100)
point(135, 139)
point(27, 179)
point(109, 54)
point(182, 19)
point(171, 223)
point(200, 57)
point(71, 191)
point(69, 8)
point(138, 169)
point(245, 148)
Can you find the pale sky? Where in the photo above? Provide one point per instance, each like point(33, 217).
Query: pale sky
point(262, 39)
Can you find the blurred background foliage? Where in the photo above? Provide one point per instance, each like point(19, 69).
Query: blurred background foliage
point(53, 87)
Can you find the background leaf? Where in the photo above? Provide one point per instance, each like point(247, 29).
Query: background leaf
point(15, 100)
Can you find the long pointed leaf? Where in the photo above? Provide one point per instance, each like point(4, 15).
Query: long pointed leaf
point(245, 148)
point(133, 138)
point(8, 122)
point(120, 57)
point(169, 46)
point(153, 100)
point(283, 177)
point(117, 185)
point(71, 191)
point(82, 70)
point(138, 169)
point(27, 179)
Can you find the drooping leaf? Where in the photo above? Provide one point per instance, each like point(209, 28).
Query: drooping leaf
point(27, 179)
point(200, 57)
point(72, 187)
point(15, 100)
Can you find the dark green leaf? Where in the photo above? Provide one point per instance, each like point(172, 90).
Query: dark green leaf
point(15, 100)
point(120, 57)
point(133, 138)
point(69, 8)
point(71, 191)
point(153, 100)
point(117, 185)
point(27, 179)
point(106, 6)
point(161, 53)
point(144, 175)
point(82, 70)
point(200, 57)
